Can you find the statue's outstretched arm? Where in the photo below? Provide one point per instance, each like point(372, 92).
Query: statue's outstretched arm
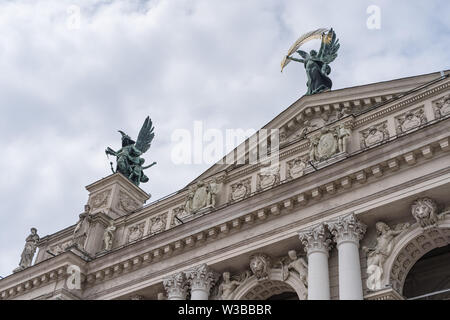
point(110, 151)
point(295, 59)
point(149, 165)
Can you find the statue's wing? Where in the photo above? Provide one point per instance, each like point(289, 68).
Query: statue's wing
point(329, 47)
point(145, 136)
point(305, 55)
point(303, 39)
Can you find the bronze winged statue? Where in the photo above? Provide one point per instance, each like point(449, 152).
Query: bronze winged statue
point(128, 158)
point(316, 63)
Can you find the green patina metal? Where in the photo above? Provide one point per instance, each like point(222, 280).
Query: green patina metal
point(128, 158)
point(317, 63)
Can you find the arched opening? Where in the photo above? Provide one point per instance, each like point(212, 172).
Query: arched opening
point(276, 287)
point(271, 290)
point(429, 278)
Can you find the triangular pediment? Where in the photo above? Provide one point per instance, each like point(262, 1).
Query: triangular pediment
point(310, 113)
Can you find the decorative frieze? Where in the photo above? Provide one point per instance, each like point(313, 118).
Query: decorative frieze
point(201, 195)
point(241, 189)
point(374, 135)
point(126, 203)
point(157, 224)
point(135, 232)
point(268, 177)
point(100, 200)
point(410, 120)
point(295, 168)
point(441, 107)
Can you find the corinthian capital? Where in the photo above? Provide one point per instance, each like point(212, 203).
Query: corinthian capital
point(347, 228)
point(176, 286)
point(315, 239)
point(202, 277)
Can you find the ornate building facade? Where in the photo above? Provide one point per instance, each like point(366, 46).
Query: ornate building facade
point(356, 207)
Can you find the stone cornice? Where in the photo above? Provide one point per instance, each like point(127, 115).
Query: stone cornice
point(40, 274)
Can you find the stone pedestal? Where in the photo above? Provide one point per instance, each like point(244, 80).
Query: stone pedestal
point(347, 232)
point(317, 246)
point(115, 196)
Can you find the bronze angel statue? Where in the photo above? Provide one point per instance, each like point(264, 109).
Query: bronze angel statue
point(128, 158)
point(316, 63)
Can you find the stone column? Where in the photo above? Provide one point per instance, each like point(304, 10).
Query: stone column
point(347, 232)
point(201, 278)
point(176, 286)
point(317, 246)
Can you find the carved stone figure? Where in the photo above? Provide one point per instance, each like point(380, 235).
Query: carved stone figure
point(425, 211)
point(241, 189)
point(136, 232)
point(374, 135)
point(260, 265)
point(178, 215)
point(29, 250)
point(202, 195)
point(411, 120)
point(325, 146)
point(129, 162)
point(158, 224)
point(295, 168)
point(344, 134)
point(298, 264)
point(442, 107)
point(268, 177)
point(108, 236)
point(378, 254)
point(316, 64)
point(80, 231)
point(229, 285)
point(100, 199)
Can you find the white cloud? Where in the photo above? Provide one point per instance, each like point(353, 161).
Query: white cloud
point(64, 93)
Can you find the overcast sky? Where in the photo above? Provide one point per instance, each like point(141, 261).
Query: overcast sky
point(67, 84)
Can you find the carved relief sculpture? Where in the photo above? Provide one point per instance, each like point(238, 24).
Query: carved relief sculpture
point(136, 232)
point(61, 247)
point(411, 120)
point(327, 144)
point(158, 223)
point(178, 215)
point(108, 236)
point(307, 128)
point(425, 211)
point(202, 195)
point(126, 203)
point(100, 200)
point(297, 264)
point(260, 265)
point(80, 231)
point(344, 135)
point(241, 189)
point(27, 255)
point(230, 284)
point(378, 254)
point(295, 168)
point(373, 135)
point(442, 107)
point(268, 177)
